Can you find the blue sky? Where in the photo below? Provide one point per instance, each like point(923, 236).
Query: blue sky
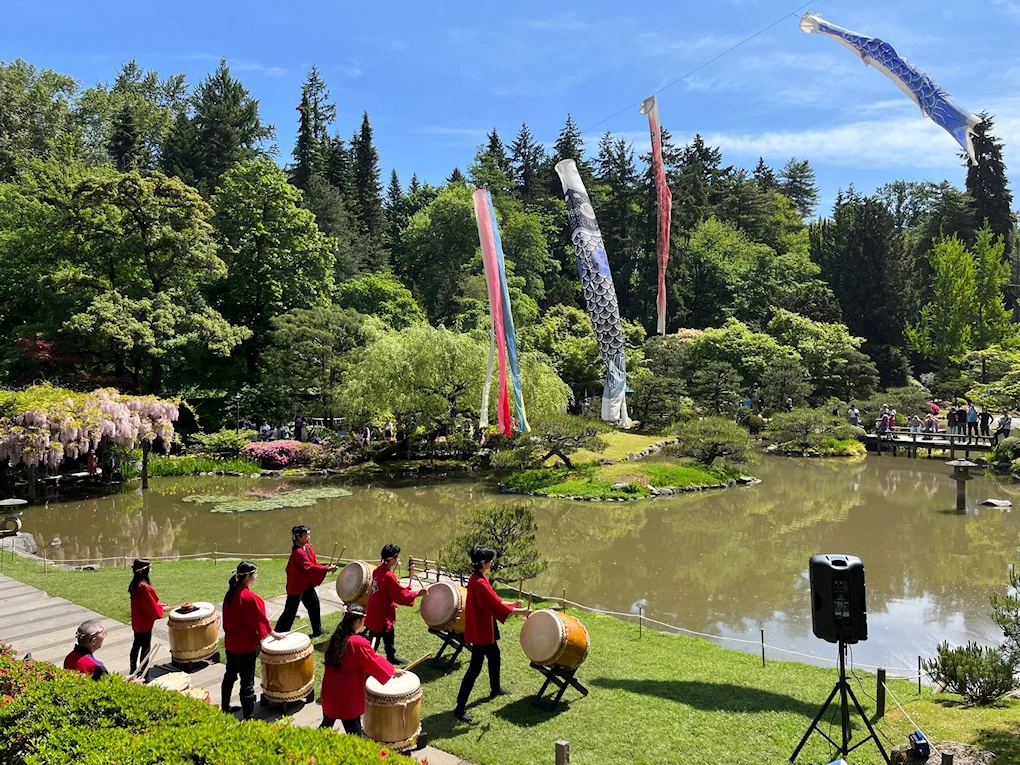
point(436, 76)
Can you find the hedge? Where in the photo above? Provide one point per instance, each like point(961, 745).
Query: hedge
point(49, 716)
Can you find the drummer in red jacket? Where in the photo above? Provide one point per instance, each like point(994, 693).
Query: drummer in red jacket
point(349, 661)
point(145, 610)
point(304, 574)
point(386, 594)
point(245, 625)
point(481, 610)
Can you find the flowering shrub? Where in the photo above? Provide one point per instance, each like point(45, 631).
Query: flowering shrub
point(57, 716)
point(223, 442)
point(46, 424)
point(274, 455)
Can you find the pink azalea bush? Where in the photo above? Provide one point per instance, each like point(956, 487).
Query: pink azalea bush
point(274, 455)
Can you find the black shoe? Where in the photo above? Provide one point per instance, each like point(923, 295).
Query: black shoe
point(500, 692)
point(398, 662)
point(227, 709)
point(463, 716)
point(318, 633)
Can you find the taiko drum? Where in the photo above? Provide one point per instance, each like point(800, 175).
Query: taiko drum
point(442, 607)
point(554, 640)
point(194, 634)
point(288, 668)
point(352, 585)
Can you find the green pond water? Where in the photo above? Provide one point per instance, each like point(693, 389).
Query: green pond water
point(725, 562)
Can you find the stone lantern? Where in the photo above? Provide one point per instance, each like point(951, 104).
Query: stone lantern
point(10, 516)
point(961, 474)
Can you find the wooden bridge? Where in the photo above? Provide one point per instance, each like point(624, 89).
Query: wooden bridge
point(902, 438)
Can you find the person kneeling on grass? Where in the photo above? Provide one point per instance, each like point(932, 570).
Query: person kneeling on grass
point(481, 610)
point(88, 639)
point(349, 661)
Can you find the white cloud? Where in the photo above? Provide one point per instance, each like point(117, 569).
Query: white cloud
point(240, 65)
point(351, 68)
point(1010, 7)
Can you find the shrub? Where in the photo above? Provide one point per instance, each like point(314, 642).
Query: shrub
point(709, 438)
point(1007, 451)
point(658, 402)
point(161, 467)
point(1006, 612)
point(510, 531)
point(224, 443)
point(274, 455)
point(49, 715)
point(978, 673)
point(803, 429)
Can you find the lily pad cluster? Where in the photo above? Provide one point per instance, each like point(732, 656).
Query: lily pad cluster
point(226, 503)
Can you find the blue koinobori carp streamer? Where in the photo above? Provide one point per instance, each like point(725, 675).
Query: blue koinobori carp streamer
point(935, 103)
point(598, 289)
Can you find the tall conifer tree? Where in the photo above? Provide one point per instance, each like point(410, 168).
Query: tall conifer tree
point(527, 156)
point(988, 186)
point(368, 200)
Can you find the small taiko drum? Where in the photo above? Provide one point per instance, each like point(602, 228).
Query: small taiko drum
point(194, 632)
point(352, 583)
point(288, 668)
point(181, 682)
point(202, 694)
point(442, 607)
point(393, 711)
point(554, 640)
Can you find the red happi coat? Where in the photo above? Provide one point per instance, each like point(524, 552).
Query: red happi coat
point(145, 608)
point(80, 660)
point(483, 606)
point(245, 623)
point(343, 687)
point(386, 595)
point(304, 570)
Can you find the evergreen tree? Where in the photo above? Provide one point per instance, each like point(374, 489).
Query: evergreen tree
point(616, 205)
point(694, 186)
point(315, 114)
point(367, 186)
point(797, 181)
point(335, 220)
point(414, 186)
point(987, 183)
point(339, 167)
point(456, 176)
point(125, 146)
point(497, 150)
point(570, 144)
point(491, 168)
point(527, 156)
point(395, 216)
point(765, 177)
point(225, 129)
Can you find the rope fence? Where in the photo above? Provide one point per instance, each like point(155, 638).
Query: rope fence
point(425, 567)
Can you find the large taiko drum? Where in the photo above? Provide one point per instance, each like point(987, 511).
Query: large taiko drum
point(288, 668)
point(353, 583)
point(442, 607)
point(393, 711)
point(194, 632)
point(554, 640)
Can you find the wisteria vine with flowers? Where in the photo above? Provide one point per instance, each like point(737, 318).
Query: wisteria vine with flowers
point(48, 424)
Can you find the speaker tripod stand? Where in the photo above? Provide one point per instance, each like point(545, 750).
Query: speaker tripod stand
point(843, 688)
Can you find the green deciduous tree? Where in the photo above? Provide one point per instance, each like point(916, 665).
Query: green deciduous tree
point(943, 331)
point(277, 258)
point(382, 296)
point(561, 435)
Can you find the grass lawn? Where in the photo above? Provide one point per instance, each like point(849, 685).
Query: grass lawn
point(597, 481)
point(669, 699)
point(619, 444)
point(105, 590)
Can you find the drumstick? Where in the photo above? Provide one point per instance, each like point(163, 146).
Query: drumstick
point(529, 600)
point(334, 553)
point(143, 663)
point(420, 582)
point(418, 661)
point(520, 585)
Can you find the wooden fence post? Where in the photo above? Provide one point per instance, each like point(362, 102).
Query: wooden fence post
point(880, 694)
point(563, 753)
point(763, 648)
point(640, 621)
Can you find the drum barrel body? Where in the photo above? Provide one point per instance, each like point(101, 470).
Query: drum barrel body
point(442, 608)
point(393, 720)
point(353, 584)
point(193, 639)
point(553, 639)
point(287, 676)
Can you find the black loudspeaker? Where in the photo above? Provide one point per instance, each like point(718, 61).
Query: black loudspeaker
point(838, 608)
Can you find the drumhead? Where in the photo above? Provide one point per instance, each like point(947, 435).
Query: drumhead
point(395, 686)
point(542, 635)
point(202, 611)
point(439, 605)
point(350, 584)
point(201, 694)
point(293, 641)
point(173, 681)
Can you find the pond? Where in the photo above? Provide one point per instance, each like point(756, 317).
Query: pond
point(723, 562)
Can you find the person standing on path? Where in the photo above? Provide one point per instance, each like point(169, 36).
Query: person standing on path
point(349, 661)
point(245, 625)
point(1002, 428)
point(145, 610)
point(88, 639)
point(972, 420)
point(951, 420)
point(304, 574)
point(481, 610)
point(385, 595)
point(985, 419)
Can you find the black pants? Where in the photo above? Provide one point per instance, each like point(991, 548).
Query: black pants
point(352, 726)
point(972, 428)
point(478, 654)
point(243, 665)
point(311, 600)
point(999, 435)
point(388, 638)
point(984, 429)
point(140, 651)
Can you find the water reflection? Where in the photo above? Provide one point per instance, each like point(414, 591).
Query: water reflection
point(726, 562)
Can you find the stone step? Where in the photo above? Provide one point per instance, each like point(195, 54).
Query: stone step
point(26, 608)
point(13, 584)
point(65, 618)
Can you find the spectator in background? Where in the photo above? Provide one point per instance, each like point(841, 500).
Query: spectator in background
point(284, 431)
point(931, 425)
point(853, 415)
point(265, 431)
point(1002, 428)
point(300, 432)
point(951, 421)
point(915, 424)
point(972, 419)
point(985, 418)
